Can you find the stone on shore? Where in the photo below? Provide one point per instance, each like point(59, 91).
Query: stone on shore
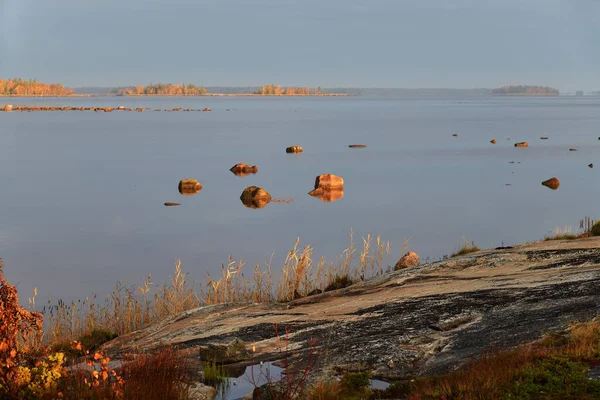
point(410, 259)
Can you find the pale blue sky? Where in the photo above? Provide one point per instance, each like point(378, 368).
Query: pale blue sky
point(352, 43)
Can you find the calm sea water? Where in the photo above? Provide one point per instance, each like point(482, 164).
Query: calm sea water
point(83, 193)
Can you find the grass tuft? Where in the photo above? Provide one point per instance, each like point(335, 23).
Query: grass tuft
point(467, 248)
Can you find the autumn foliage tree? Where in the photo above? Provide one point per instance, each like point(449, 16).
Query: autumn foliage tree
point(21, 87)
point(164, 89)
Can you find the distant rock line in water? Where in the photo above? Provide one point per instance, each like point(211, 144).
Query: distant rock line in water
point(11, 108)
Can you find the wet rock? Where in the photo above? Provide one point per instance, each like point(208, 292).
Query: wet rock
point(591, 165)
point(189, 187)
point(169, 204)
point(227, 351)
point(410, 259)
point(255, 197)
point(493, 141)
point(294, 149)
point(357, 146)
point(552, 183)
point(243, 169)
point(327, 195)
point(522, 144)
point(329, 182)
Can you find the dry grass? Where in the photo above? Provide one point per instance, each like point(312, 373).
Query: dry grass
point(129, 308)
point(467, 248)
point(559, 233)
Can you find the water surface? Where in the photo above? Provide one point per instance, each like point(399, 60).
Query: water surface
point(83, 192)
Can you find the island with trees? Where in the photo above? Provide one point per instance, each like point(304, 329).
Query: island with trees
point(163, 89)
point(20, 87)
point(276, 90)
point(522, 90)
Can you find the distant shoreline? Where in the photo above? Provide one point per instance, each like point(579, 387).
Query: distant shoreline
point(527, 94)
point(202, 95)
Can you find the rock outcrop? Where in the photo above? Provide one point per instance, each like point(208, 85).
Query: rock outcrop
point(410, 259)
point(255, 197)
point(189, 187)
point(552, 183)
point(415, 321)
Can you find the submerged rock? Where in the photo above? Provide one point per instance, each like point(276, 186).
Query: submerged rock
point(189, 187)
point(357, 146)
point(243, 169)
point(544, 138)
point(168, 204)
point(255, 197)
point(552, 183)
point(410, 259)
point(294, 149)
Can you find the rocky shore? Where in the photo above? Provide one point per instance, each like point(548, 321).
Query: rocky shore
point(416, 321)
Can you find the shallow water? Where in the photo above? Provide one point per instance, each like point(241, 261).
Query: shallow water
point(83, 192)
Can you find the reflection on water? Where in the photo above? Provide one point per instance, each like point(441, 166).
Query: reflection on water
point(327, 195)
point(241, 384)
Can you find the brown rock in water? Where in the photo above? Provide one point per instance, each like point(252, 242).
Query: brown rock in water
point(294, 149)
point(357, 146)
point(207, 109)
point(255, 197)
point(168, 204)
point(8, 107)
point(455, 134)
point(552, 183)
point(591, 165)
point(242, 169)
point(189, 187)
point(493, 141)
point(327, 195)
point(121, 108)
point(522, 144)
point(572, 149)
point(410, 259)
point(139, 109)
point(329, 182)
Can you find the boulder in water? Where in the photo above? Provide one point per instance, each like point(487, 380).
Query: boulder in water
point(189, 187)
point(552, 183)
point(255, 197)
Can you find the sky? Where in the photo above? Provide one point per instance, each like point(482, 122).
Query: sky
point(327, 43)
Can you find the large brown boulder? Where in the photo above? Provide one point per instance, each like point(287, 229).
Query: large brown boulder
point(255, 197)
point(522, 144)
point(410, 259)
point(327, 195)
point(294, 149)
point(189, 187)
point(243, 169)
point(552, 183)
point(329, 182)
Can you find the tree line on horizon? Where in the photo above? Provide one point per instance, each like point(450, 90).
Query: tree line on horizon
point(163, 89)
point(523, 89)
point(21, 87)
point(276, 90)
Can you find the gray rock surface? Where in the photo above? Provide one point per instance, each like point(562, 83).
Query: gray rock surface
point(416, 321)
